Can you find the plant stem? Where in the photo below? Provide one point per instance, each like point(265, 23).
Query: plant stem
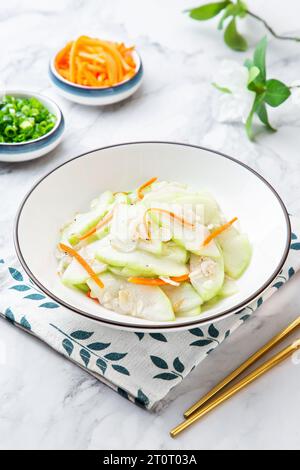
point(271, 30)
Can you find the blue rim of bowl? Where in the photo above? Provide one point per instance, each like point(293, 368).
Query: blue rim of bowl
point(41, 142)
point(137, 327)
point(94, 92)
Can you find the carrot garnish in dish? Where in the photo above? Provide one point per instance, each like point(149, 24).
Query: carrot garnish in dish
point(95, 63)
point(144, 281)
point(144, 186)
point(99, 225)
point(84, 264)
point(218, 231)
point(170, 213)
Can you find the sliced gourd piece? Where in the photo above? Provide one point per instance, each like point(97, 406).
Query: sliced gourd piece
point(237, 251)
point(191, 238)
point(75, 274)
point(211, 250)
point(210, 210)
point(122, 198)
point(189, 313)
point(123, 272)
point(163, 192)
point(83, 288)
point(229, 287)
point(174, 252)
point(151, 246)
point(183, 297)
point(147, 302)
point(207, 275)
point(142, 262)
point(85, 221)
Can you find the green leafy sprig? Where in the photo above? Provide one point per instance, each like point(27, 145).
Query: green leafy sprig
point(231, 11)
point(268, 92)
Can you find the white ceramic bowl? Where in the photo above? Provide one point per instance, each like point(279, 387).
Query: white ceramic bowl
point(19, 152)
point(70, 188)
point(97, 96)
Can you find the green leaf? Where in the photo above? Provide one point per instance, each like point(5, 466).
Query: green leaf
point(68, 346)
point(178, 366)
point(276, 93)
point(201, 342)
point(85, 356)
point(159, 362)
point(166, 376)
point(236, 9)
point(20, 287)
point(141, 399)
point(79, 334)
point(25, 323)
point(221, 88)
point(49, 305)
point(102, 365)
point(34, 297)
point(140, 335)
point(295, 246)
point(245, 318)
point(260, 302)
point(123, 393)
point(213, 332)
point(98, 346)
point(259, 58)
point(9, 315)
point(16, 275)
point(159, 337)
point(208, 11)
point(262, 113)
point(196, 332)
point(278, 285)
point(233, 38)
point(253, 74)
point(257, 101)
point(120, 369)
point(115, 356)
point(291, 272)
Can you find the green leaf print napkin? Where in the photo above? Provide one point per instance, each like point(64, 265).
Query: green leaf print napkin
point(143, 367)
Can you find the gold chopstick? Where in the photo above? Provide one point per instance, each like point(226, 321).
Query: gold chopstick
point(272, 362)
point(273, 342)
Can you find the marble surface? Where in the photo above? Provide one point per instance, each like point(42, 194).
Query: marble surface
point(47, 402)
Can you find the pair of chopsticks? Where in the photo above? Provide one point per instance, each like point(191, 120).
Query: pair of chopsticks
point(207, 404)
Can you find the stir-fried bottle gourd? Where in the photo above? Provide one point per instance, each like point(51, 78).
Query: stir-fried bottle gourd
point(158, 252)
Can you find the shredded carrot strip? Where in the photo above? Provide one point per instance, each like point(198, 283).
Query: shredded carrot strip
point(218, 231)
point(183, 278)
point(144, 186)
point(174, 216)
point(108, 63)
point(83, 263)
point(164, 211)
point(99, 225)
point(89, 295)
point(144, 281)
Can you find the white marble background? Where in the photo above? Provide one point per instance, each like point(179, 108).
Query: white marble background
point(47, 402)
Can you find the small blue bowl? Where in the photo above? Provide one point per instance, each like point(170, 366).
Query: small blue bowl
point(97, 96)
point(19, 152)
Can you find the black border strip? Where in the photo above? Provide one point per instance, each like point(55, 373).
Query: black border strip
point(174, 327)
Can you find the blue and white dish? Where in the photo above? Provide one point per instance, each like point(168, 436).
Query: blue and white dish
point(97, 96)
point(23, 151)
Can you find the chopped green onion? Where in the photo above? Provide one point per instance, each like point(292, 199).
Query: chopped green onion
point(24, 119)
